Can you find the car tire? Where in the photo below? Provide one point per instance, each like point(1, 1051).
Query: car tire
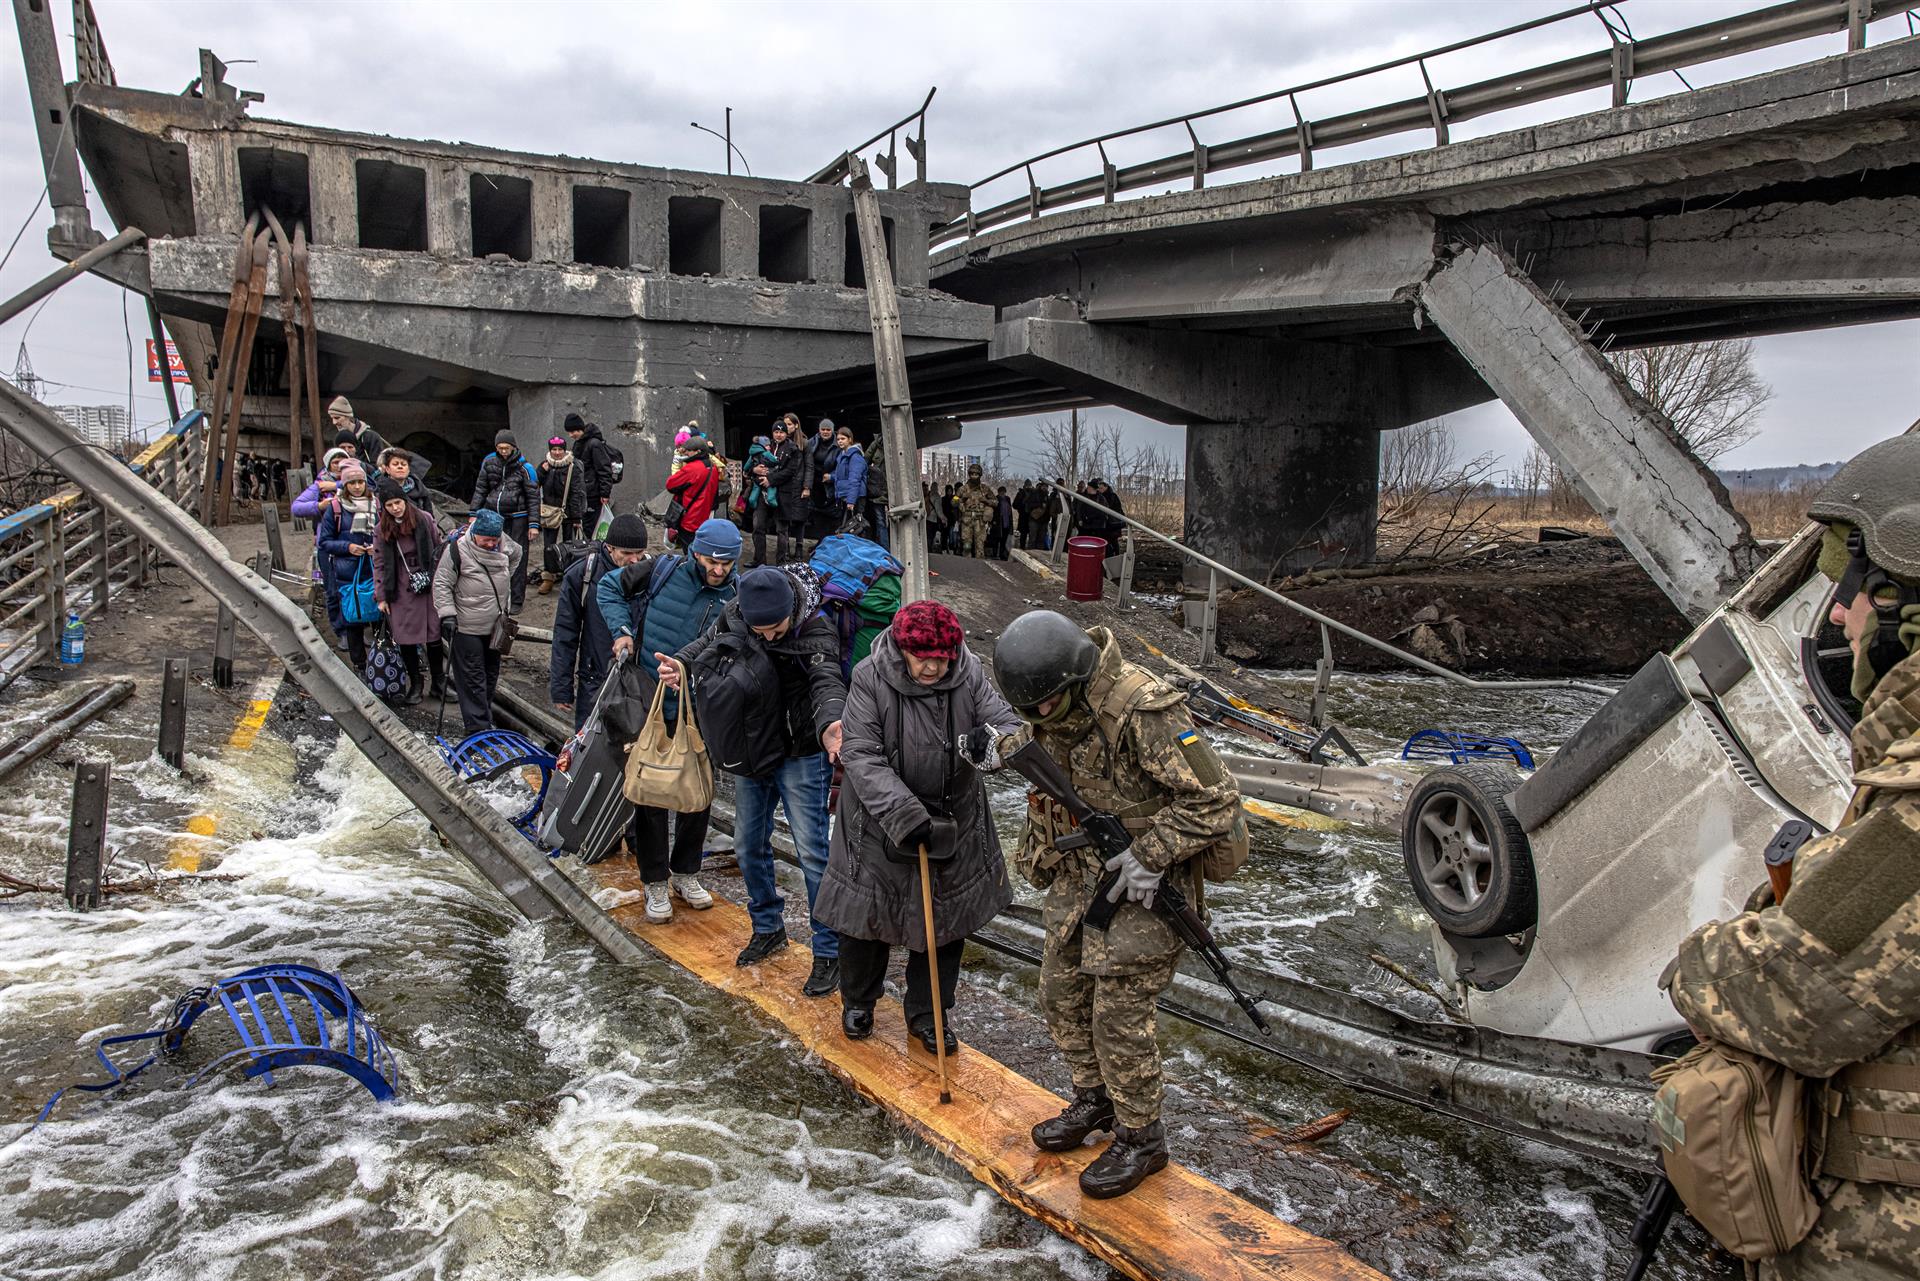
point(1467, 858)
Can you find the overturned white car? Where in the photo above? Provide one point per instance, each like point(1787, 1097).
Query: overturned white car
point(1557, 901)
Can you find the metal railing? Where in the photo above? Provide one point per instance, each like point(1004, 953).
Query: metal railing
point(67, 554)
point(1210, 613)
point(1623, 60)
point(887, 162)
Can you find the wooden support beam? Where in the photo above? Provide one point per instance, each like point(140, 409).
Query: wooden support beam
point(1177, 1226)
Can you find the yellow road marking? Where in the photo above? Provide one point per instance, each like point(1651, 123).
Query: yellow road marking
point(185, 852)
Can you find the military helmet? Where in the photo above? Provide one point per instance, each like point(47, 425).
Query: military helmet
point(1878, 493)
point(974, 469)
point(1039, 654)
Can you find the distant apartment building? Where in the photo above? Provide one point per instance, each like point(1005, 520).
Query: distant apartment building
point(105, 425)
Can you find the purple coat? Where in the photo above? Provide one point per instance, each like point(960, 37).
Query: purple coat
point(410, 614)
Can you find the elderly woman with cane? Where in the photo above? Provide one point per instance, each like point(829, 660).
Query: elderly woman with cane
point(919, 724)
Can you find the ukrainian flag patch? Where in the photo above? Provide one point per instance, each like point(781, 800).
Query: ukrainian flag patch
point(1188, 737)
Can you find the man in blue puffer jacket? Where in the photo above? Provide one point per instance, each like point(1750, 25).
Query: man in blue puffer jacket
point(668, 602)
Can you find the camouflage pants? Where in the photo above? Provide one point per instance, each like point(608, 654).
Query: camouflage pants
point(1866, 1232)
point(1105, 1027)
point(973, 535)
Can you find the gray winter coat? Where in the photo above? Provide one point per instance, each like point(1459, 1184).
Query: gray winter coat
point(473, 585)
point(898, 754)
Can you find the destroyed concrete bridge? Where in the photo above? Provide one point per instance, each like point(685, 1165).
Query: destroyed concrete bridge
point(1286, 321)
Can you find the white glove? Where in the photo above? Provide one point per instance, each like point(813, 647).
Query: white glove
point(1136, 882)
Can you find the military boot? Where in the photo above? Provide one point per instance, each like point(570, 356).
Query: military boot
point(1090, 1110)
point(1128, 1160)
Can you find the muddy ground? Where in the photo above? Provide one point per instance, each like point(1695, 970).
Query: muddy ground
point(1577, 608)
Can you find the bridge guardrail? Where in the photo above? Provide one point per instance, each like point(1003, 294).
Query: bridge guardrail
point(1209, 621)
point(1622, 61)
point(69, 553)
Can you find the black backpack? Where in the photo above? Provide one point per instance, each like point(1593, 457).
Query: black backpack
point(737, 701)
point(616, 462)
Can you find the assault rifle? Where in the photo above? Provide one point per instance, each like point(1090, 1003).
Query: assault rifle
point(1108, 836)
point(1656, 1209)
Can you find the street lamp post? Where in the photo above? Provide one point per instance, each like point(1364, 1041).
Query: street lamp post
point(727, 138)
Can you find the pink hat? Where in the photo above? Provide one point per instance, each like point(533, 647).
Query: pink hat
point(352, 472)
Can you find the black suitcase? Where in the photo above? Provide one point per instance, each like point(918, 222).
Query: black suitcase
point(586, 809)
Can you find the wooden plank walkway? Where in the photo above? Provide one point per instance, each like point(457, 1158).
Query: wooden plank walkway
point(1175, 1227)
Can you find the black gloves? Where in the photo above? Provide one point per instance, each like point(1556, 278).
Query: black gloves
point(976, 742)
point(446, 628)
point(919, 837)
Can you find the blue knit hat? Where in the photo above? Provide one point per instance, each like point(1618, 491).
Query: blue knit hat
point(487, 523)
point(718, 538)
point(766, 596)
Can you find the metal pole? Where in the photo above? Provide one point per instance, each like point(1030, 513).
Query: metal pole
point(223, 650)
point(103, 572)
point(87, 834)
point(1123, 597)
point(276, 549)
point(1210, 620)
point(728, 139)
point(907, 525)
point(71, 271)
point(166, 368)
point(1322, 678)
point(173, 713)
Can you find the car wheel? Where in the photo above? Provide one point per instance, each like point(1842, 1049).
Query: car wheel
point(1467, 858)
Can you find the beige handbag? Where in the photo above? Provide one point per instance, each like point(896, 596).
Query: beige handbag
point(552, 517)
point(670, 771)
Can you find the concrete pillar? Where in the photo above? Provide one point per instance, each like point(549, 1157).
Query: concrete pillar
point(552, 216)
point(334, 191)
point(215, 169)
point(647, 226)
point(449, 210)
point(1282, 437)
point(1262, 497)
point(639, 421)
point(1623, 454)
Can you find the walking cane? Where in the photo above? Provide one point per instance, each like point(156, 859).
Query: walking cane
point(933, 974)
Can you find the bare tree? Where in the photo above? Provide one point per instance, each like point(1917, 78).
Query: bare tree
point(1430, 502)
point(1530, 478)
point(1710, 390)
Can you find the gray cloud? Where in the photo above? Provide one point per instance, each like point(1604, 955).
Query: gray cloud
point(621, 81)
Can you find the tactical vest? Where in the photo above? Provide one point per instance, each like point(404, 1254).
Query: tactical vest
point(1872, 1109)
point(1134, 799)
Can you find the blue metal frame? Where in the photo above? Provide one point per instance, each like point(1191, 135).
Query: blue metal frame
point(493, 752)
point(272, 1035)
point(1452, 745)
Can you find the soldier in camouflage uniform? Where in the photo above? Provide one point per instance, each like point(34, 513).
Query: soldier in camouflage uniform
point(976, 512)
point(1131, 749)
point(1828, 982)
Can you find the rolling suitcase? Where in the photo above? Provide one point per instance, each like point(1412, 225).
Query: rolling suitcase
point(586, 811)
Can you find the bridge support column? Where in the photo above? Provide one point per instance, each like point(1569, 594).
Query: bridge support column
point(1283, 437)
point(1275, 495)
point(639, 421)
point(1623, 454)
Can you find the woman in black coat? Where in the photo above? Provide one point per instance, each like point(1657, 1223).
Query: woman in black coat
point(907, 784)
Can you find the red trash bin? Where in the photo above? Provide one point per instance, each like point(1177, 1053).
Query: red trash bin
point(1086, 568)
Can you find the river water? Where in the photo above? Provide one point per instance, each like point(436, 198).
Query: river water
point(561, 1117)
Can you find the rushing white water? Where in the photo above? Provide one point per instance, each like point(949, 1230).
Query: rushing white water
point(562, 1117)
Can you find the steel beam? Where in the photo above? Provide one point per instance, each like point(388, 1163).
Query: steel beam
point(87, 834)
point(172, 745)
point(472, 828)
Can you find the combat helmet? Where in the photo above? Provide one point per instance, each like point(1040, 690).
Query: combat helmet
point(1877, 492)
point(1038, 655)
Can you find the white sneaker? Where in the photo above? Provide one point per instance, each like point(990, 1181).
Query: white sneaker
point(659, 906)
point(691, 891)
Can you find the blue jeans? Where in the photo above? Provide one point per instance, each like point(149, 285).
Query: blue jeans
point(800, 784)
point(877, 520)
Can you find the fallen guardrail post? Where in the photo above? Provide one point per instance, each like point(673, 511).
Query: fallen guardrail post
point(87, 834)
point(173, 713)
point(30, 745)
point(270, 514)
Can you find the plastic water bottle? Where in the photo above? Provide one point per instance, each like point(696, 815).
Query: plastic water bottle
point(73, 641)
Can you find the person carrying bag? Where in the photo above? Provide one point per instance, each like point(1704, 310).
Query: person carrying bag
point(668, 767)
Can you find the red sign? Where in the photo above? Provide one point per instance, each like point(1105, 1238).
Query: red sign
point(176, 367)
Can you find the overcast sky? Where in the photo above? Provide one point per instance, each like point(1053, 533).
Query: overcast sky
point(622, 81)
